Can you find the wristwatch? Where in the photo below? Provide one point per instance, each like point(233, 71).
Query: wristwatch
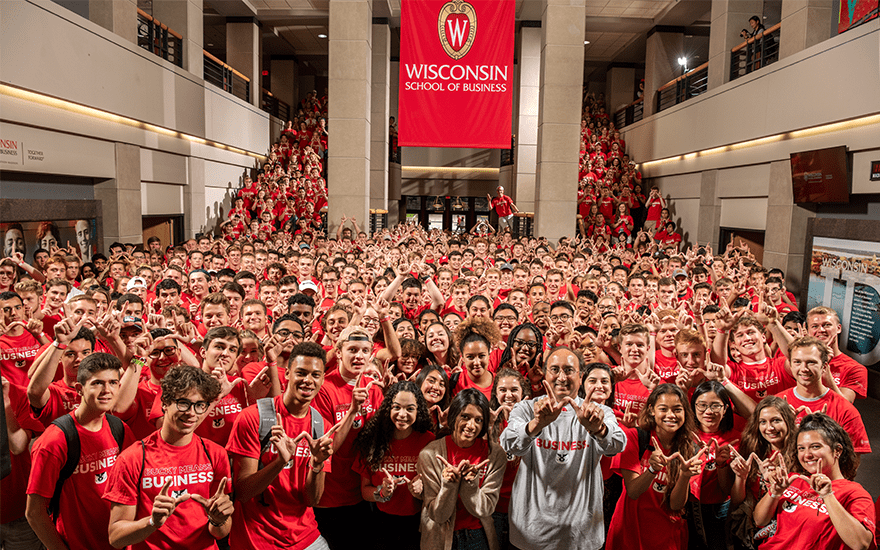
point(377, 494)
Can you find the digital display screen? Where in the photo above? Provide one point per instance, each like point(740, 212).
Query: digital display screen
point(820, 176)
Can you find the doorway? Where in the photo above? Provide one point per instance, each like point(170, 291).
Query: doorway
point(755, 240)
point(169, 229)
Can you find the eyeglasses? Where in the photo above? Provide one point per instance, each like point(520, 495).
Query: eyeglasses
point(168, 351)
point(562, 317)
point(200, 407)
point(369, 321)
point(505, 319)
point(522, 343)
point(607, 307)
point(284, 333)
point(714, 407)
point(568, 371)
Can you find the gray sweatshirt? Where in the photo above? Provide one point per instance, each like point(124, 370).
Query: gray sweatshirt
point(557, 494)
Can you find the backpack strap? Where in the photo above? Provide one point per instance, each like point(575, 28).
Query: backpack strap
point(266, 412)
point(68, 427)
point(117, 428)
point(317, 424)
point(143, 467)
point(644, 441)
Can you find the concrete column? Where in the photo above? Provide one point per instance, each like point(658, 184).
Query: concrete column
point(121, 198)
point(729, 17)
point(786, 227)
point(118, 16)
point(243, 50)
point(195, 215)
point(350, 75)
point(559, 99)
point(379, 107)
point(661, 64)
point(526, 153)
point(804, 24)
point(620, 87)
point(282, 80)
point(185, 18)
point(710, 210)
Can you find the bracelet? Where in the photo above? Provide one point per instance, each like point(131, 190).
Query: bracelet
point(216, 523)
point(724, 382)
point(652, 470)
point(384, 319)
point(152, 523)
point(59, 345)
point(138, 361)
point(775, 496)
point(194, 341)
point(318, 469)
point(377, 494)
point(828, 495)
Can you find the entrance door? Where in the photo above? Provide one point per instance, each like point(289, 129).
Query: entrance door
point(169, 229)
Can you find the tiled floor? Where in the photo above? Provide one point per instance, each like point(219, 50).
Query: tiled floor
point(869, 470)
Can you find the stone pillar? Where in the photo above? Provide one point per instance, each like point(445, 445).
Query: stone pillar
point(729, 17)
point(379, 107)
point(784, 241)
point(527, 120)
point(620, 87)
point(661, 63)
point(282, 80)
point(559, 99)
point(710, 210)
point(185, 18)
point(243, 51)
point(117, 16)
point(804, 23)
point(350, 60)
point(121, 198)
point(194, 214)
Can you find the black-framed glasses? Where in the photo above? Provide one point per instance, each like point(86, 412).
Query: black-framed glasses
point(714, 407)
point(561, 317)
point(200, 407)
point(525, 344)
point(168, 351)
point(284, 333)
point(568, 371)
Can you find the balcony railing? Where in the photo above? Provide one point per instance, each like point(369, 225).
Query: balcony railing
point(629, 114)
point(159, 39)
point(223, 76)
point(756, 52)
point(274, 106)
point(688, 85)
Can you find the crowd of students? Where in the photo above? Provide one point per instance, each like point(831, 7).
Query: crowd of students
point(270, 387)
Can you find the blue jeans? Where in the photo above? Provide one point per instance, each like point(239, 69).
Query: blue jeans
point(470, 539)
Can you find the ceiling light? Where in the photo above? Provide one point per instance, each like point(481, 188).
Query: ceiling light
point(682, 61)
point(322, 35)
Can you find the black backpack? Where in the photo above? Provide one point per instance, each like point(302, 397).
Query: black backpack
point(266, 412)
point(68, 427)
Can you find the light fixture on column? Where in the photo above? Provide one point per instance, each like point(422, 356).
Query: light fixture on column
point(438, 204)
point(458, 204)
point(322, 35)
point(683, 62)
point(586, 42)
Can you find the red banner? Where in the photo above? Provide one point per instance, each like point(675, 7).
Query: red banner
point(456, 73)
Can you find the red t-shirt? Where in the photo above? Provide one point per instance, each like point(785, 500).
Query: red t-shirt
point(464, 382)
point(14, 486)
point(665, 367)
point(706, 487)
point(758, 380)
point(192, 471)
point(280, 517)
point(81, 512)
point(629, 391)
point(16, 356)
point(644, 522)
point(62, 400)
point(502, 207)
point(842, 411)
point(849, 373)
point(654, 206)
point(138, 415)
point(803, 521)
point(399, 461)
point(476, 453)
point(342, 487)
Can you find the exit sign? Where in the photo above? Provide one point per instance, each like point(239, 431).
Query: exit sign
point(875, 170)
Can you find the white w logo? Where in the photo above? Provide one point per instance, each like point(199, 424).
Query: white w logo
point(456, 30)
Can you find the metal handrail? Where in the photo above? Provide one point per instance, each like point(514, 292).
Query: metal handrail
point(755, 52)
point(686, 86)
point(159, 39)
point(274, 106)
point(225, 77)
point(629, 114)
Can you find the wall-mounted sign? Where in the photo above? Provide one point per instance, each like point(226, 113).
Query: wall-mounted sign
point(875, 170)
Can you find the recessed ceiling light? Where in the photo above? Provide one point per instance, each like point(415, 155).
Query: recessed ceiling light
point(322, 35)
point(586, 42)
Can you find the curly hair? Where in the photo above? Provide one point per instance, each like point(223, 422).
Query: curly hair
point(834, 436)
point(753, 442)
point(477, 328)
point(374, 440)
point(182, 379)
point(681, 441)
point(507, 354)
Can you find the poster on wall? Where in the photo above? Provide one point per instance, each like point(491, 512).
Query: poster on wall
point(845, 276)
point(456, 73)
point(855, 12)
point(28, 237)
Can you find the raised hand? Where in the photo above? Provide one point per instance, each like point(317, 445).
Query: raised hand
point(589, 414)
point(164, 504)
point(442, 414)
point(389, 483)
point(470, 472)
point(629, 417)
point(649, 379)
point(415, 486)
point(322, 447)
point(450, 474)
point(219, 507)
point(548, 410)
